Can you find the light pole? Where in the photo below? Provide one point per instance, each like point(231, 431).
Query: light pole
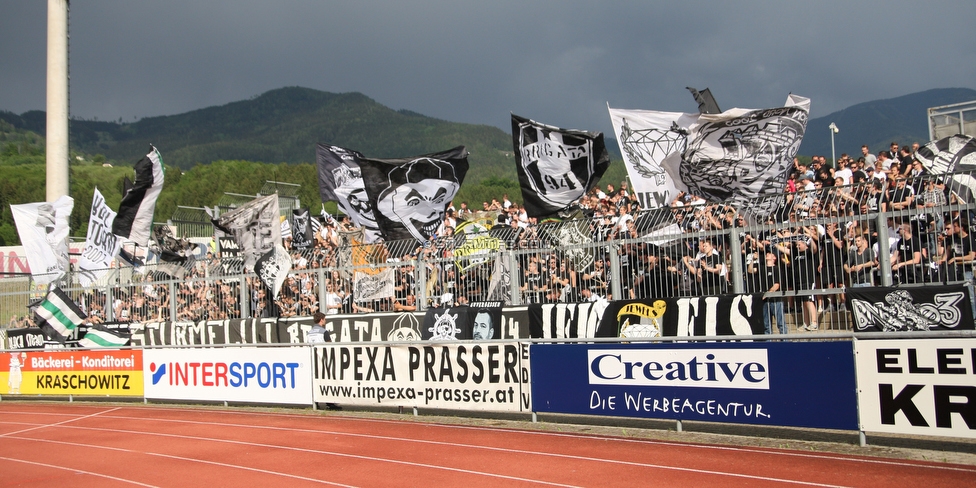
point(833, 153)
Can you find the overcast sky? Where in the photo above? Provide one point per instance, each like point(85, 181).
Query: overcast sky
point(557, 62)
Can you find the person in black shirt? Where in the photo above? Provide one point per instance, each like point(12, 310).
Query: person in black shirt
point(907, 259)
point(902, 196)
point(708, 268)
point(963, 252)
point(803, 262)
point(860, 261)
point(963, 255)
point(767, 280)
point(532, 286)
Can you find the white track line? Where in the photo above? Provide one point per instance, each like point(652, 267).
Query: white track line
point(772, 451)
point(60, 423)
point(788, 453)
point(837, 457)
point(449, 444)
point(170, 456)
point(76, 470)
point(271, 446)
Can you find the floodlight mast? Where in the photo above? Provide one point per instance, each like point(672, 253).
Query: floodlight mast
point(56, 146)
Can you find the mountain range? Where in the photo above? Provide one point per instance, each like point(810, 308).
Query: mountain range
point(283, 126)
point(878, 123)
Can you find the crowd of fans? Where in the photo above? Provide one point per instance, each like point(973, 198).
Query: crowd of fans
point(802, 251)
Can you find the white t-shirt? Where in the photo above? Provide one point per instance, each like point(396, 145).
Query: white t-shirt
point(332, 303)
point(845, 173)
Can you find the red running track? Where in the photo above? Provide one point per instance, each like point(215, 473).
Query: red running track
point(44, 444)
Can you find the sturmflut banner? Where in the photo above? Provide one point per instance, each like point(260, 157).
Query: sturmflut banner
point(374, 327)
point(246, 374)
point(111, 373)
point(917, 387)
point(477, 376)
point(748, 383)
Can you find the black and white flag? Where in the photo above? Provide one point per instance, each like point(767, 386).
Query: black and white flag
point(135, 216)
point(952, 154)
point(43, 230)
point(500, 285)
point(101, 245)
point(58, 315)
point(256, 226)
point(573, 235)
point(99, 336)
point(646, 138)
point(736, 155)
point(706, 102)
point(948, 154)
point(410, 195)
point(174, 253)
point(370, 284)
point(301, 229)
point(273, 268)
point(556, 167)
point(341, 181)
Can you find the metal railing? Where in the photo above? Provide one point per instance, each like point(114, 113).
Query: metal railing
point(800, 249)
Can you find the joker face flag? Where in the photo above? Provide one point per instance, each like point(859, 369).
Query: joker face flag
point(341, 181)
point(556, 167)
point(411, 195)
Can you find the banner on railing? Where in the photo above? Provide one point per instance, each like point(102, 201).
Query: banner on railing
point(247, 374)
point(460, 323)
point(511, 323)
point(749, 383)
point(684, 317)
point(210, 332)
point(29, 338)
point(112, 373)
point(479, 376)
point(917, 387)
point(907, 309)
point(564, 320)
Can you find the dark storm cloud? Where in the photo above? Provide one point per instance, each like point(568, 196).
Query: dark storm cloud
point(557, 62)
